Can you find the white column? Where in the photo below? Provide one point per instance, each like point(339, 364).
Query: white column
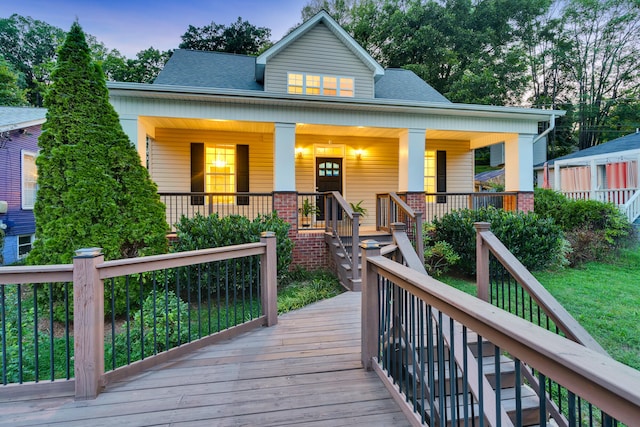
point(518, 161)
point(556, 176)
point(137, 135)
point(284, 160)
point(593, 168)
point(411, 160)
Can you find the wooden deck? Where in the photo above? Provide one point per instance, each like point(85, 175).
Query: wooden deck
point(305, 371)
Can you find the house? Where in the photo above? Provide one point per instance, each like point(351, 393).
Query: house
point(20, 128)
point(315, 113)
point(607, 172)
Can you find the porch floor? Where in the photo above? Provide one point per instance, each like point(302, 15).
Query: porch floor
point(305, 371)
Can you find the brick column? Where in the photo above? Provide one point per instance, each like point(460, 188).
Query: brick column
point(525, 201)
point(286, 204)
point(416, 201)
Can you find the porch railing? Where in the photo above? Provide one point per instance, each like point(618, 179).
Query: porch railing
point(404, 339)
point(618, 196)
point(311, 211)
point(344, 224)
point(390, 209)
point(174, 304)
point(249, 205)
point(439, 204)
point(632, 207)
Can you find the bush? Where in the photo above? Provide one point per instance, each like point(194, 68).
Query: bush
point(536, 242)
point(593, 228)
point(202, 232)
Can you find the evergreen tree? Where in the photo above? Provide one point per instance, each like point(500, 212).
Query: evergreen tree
point(93, 191)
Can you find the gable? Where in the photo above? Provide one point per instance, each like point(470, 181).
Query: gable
point(318, 52)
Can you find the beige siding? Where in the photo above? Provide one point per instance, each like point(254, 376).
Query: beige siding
point(170, 154)
point(375, 172)
point(319, 52)
point(460, 163)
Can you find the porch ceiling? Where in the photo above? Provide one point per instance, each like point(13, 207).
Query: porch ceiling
point(313, 129)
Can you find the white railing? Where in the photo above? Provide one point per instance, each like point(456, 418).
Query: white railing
point(632, 207)
point(618, 196)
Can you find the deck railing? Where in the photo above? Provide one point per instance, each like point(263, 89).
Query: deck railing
point(632, 207)
point(174, 304)
point(249, 205)
point(413, 328)
point(311, 211)
point(439, 204)
point(344, 224)
point(391, 209)
point(617, 196)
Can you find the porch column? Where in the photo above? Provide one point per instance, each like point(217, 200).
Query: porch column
point(411, 161)
point(518, 161)
point(284, 155)
point(137, 135)
point(593, 168)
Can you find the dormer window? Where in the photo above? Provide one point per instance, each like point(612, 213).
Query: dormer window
point(310, 84)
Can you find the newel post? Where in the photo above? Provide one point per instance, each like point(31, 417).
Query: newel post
point(370, 312)
point(482, 261)
point(269, 277)
point(88, 323)
point(355, 242)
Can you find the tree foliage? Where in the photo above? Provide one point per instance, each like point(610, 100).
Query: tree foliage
point(143, 69)
point(239, 37)
point(10, 92)
point(93, 191)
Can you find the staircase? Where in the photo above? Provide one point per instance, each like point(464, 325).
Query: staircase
point(340, 251)
point(441, 383)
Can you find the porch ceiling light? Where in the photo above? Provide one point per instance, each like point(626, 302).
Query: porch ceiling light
point(299, 152)
point(359, 154)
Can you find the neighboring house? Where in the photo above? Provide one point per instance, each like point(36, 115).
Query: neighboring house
point(20, 128)
point(607, 172)
point(315, 112)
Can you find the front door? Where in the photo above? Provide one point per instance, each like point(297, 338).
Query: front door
point(328, 178)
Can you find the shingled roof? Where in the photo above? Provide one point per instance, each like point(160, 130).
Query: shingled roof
point(230, 71)
point(20, 117)
point(624, 143)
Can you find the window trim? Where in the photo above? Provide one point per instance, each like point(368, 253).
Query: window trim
point(303, 87)
point(23, 180)
point(32, 238)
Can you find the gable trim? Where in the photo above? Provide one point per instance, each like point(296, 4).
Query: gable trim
point(335, 28)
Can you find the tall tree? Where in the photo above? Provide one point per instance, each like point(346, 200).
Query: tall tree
point(29, 45)
point(143, 69)
point(93, 191)
point(239, 37)
point(603, 59)
point(10, 92)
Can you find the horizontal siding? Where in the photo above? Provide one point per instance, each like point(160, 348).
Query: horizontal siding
point(11, 183)
point(170, 157)
point(460, 164)
point(318, 51)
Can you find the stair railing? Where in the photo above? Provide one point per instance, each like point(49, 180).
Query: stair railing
point(390, 209)
point(632, 207)
point(344, 224)
point(593, 384)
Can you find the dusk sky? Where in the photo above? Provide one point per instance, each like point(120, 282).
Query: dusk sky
point(134, 25)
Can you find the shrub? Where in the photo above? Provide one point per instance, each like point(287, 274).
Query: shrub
point(439, 258)
point(593, 228)
point(536, 242)
point(212, 231)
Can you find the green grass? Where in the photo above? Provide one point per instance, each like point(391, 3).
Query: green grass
point(603, 296)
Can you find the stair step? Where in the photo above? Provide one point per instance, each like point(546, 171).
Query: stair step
point(529, 409)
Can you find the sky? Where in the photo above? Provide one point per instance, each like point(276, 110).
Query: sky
point(135, 25)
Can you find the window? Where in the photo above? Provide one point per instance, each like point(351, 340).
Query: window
point(219, 168)
point(435, 175)
point(310, 84)
point(25, 243)
point(29, 179)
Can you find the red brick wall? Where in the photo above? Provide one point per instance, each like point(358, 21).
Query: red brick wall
point(310, 249)
point(416, 201)
point(525, 201)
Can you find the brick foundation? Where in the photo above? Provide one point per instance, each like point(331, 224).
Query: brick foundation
point(310, 250)
point(525, 201)
point(417, 202)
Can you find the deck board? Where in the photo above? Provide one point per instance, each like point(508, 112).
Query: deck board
point(305, 371)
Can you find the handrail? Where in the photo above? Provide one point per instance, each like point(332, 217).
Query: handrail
point(487, 241)
point(632, 207)
point(608, 384)
point(396, 211)
point(351, 230)
point(36, 274)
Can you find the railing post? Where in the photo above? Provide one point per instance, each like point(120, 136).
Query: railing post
point(419, 237)
point(399, 227)
point(370, 302)
point(355, 242)
point(482, 261)
point(88, 323)
point(269, 277)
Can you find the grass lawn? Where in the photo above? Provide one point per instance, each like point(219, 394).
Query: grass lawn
point(603, 297)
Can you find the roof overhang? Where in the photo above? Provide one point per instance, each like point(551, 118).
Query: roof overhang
point(335, 28)
point(22, 125)
point(190, 93)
